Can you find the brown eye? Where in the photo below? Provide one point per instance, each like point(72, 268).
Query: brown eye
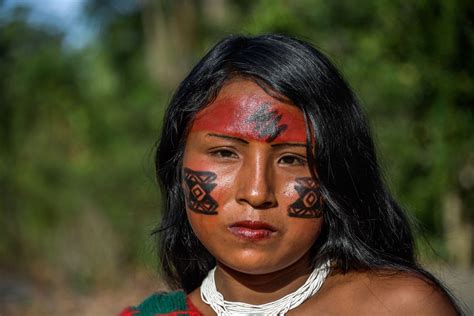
point(292, 160)
point(224, 153)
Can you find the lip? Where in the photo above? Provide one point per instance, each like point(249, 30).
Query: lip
point(252, 230)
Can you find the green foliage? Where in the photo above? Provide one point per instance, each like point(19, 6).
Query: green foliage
point(77, 127)
point(77, 133)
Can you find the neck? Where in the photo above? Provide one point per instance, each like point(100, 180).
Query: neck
point(259, 289)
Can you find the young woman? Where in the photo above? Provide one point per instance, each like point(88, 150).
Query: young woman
point(274, 203)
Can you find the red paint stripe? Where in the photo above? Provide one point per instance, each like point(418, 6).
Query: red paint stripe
point(230, 116)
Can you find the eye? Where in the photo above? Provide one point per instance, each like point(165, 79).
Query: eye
point(224, 153)
point(292, 160)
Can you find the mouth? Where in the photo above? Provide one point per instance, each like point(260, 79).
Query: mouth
point(252, 230)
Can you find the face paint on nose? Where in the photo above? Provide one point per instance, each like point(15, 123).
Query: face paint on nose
point(254, 117)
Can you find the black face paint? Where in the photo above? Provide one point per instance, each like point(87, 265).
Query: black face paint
point(266, 123)
point(198, 186)
point(309, 203)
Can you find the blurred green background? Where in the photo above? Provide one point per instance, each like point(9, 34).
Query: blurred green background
point(81, 103)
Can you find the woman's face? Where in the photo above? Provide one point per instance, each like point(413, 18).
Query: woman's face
point(249, 194)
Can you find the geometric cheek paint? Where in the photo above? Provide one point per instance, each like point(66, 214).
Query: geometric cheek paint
point(309, 204)
point(197, 188)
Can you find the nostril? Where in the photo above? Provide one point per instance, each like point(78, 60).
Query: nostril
point(265, 205)
point(258, 204)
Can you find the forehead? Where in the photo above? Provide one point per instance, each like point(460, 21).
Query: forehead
point(243, 109)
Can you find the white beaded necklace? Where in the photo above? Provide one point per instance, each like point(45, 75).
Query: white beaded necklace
point(212, 297)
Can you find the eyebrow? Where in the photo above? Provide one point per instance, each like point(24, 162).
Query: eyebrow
point(228, 137)
point(288, 145)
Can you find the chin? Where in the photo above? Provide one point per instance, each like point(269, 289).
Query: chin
point(255, 264)
point(257, 269)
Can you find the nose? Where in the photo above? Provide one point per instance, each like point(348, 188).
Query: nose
point(254, 185)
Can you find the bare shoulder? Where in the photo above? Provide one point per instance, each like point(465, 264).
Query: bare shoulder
point(384, 293)
point(407, 293)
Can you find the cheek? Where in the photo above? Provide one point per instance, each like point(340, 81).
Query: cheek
point(196, 162)
point(224, 179)
point(224, 184)
point(288, 194)
point(288, 191)
point(202, 225)
point(307, 203)
point(303, 232)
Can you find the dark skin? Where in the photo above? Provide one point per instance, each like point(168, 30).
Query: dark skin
point(258, 174)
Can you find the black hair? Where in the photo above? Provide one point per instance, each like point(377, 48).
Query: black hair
point(364, 228)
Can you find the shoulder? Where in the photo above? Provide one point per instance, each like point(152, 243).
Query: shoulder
point(383, 293)
point(407, 293)
point(160, 304)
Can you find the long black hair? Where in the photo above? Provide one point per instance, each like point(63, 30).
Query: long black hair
point(364, 228)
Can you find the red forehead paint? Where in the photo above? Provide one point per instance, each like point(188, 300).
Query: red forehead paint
point(252, 117)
